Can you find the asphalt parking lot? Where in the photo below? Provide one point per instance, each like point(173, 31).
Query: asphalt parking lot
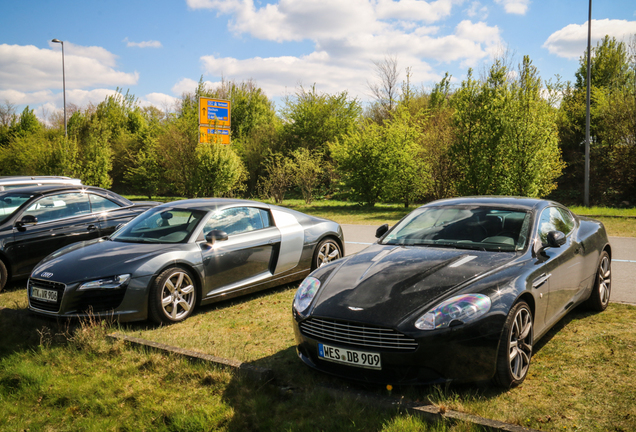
point(358, 237)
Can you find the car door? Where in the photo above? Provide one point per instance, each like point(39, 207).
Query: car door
point(247, 256)
point(562, 266)
point(62, 219)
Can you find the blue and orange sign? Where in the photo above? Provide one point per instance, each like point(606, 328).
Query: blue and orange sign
point(214, 135)
point(214, 112)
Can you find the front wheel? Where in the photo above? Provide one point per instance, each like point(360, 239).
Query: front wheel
point(327, 250)
point(515, 347)
point(599, 298)
point(173, 296)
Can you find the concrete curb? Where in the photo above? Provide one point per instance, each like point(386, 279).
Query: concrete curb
point(429, 413)
point(253, 372)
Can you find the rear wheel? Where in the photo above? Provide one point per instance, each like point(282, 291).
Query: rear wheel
point(173, 296)
point(515, 347)
point(326, 251)
point(599, 299)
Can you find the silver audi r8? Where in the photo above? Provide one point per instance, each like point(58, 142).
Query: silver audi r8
point(179, 255)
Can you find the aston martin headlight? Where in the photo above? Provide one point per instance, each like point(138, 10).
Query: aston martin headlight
point(456, 310)
point(305, 294)
point(112, 282)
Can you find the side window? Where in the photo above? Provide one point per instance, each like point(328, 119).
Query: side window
point(59, 206)
point(234, 220)
point(552, 219)
point(100, 204)
point(266, 218)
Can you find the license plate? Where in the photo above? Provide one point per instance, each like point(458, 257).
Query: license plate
point(350, 357)
point(44, 294)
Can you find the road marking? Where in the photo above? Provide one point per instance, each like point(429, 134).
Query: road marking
point(358, 243)
point(628, 261)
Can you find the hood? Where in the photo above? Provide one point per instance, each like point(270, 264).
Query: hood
point(98, 258)
point(384, 284)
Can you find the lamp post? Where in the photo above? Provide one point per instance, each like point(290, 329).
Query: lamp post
point(63, 84)
point(586, 197)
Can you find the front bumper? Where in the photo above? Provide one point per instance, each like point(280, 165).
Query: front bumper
point(461, 354)
point(124, 304)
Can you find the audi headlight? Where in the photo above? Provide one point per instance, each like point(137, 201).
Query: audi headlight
point(112, 282)
point(305, 294)
point(456, 310)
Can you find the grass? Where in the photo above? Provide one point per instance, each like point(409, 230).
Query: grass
point(582, 377)
point(56, 377)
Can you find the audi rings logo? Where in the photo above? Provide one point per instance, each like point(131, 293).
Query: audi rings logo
point(46, 274)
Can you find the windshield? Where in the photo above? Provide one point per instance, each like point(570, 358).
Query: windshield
point(160, 225)
point(463, 227)
point(10, 203)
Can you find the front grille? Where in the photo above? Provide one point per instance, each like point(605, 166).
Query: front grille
point(48, 285)
point(96, 300)
point(357, 334)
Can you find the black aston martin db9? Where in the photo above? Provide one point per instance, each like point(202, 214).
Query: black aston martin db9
point(458, 290)
point(178, 255)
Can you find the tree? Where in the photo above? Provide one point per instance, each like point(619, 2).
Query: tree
point(306, 170)
point(220, 172)
point(277, 177)
point(385, 89)
point(505, 134)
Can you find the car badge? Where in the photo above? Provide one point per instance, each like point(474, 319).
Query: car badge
point(46, 274)
point(355, 308)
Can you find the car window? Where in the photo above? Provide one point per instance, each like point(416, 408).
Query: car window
point(160, 225)
point(100, 204)
point(10, 202)
point(552, 219)
point(235, 220)
point(266, 218)
point(59, 206)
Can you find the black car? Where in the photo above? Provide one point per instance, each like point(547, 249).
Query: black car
point(458, 290)
point(179, 255)
point(36, 221)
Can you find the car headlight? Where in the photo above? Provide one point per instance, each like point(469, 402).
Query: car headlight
point(112, 282)
point(460, 309)
point(305, 294)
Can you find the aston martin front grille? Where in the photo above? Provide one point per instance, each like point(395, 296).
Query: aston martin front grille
point(361, 335)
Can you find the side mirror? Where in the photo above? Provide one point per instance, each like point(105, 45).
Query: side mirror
point(556, 239)
point(215, 235)
point(27, 220)
point(381, 230)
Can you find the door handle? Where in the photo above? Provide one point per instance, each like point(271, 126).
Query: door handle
point(541, 280)
point(91, 228)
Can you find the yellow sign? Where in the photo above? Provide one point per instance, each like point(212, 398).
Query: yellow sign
point(214, 112)
point(214, 135)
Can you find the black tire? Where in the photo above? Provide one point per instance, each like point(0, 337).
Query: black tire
point(599, 298)
point(4, 275)
point(327, 250)
point(515, 347)
point(173, 296)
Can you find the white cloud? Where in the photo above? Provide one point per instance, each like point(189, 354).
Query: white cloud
point(519, 7)
point(145, 44)
point(187, 85)
point(476, 10)
point(28, 68)
point(348, 37)
point(571, 41)
point(160, 100)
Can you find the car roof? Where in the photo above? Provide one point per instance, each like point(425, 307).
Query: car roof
point(44, 189)
point(523, 203)
point(208, 204)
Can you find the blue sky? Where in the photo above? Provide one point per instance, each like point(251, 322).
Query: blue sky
point(159, 49)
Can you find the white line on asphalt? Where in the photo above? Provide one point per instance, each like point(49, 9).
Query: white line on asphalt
point(358, 243)
point(617, 260)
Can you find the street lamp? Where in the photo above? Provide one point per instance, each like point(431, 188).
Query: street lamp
point(63, 84)
point(586, 191)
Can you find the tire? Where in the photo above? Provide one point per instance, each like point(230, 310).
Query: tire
point(4, 275)
point(173, 296)
point(515, 347)
point(599, 298)
point(327, 250)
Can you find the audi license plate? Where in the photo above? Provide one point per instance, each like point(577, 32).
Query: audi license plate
point(350, 357)
point(44, 294)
